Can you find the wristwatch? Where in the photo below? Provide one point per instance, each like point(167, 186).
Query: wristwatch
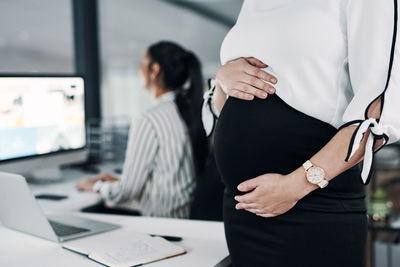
point(315, 175)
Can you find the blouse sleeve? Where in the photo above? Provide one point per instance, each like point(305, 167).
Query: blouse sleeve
point(373, 61)
point(139, 160)
point(209, 113)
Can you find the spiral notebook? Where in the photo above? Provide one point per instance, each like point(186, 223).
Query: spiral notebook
point(124, 248)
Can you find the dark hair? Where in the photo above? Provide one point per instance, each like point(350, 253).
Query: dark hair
point(181, 72)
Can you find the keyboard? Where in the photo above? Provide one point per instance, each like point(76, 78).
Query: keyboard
point(64, 229)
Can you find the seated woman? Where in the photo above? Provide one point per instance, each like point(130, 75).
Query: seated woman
point(167, 144)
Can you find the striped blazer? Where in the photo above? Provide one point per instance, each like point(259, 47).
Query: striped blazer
point(158, 172)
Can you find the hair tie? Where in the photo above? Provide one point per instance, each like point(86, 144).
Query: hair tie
point(187, 84)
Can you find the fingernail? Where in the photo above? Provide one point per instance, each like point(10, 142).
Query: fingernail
point(264, 95)
point(236, 197)
point(271, 90)
point(273, 80)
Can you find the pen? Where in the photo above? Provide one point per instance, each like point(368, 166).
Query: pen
point(169, 238)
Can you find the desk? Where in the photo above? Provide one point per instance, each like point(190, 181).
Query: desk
point(66, 186)
point(203, 240)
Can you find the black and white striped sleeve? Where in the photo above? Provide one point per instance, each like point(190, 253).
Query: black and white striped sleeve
point(374, 68)
point(139, 159)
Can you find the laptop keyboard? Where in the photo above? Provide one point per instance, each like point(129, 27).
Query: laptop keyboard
point(64, 229)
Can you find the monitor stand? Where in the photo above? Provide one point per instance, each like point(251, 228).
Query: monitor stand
point(46, 175)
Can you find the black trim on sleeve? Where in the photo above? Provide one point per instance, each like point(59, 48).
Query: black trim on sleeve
point(211, 88)
point(386, 138)
point(382, 96)
point(394, 40)
point(350, 123)
point(215, 118)
point(372, 164)
point(392, 52)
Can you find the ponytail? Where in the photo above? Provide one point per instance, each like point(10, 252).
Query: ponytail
point(181, 72)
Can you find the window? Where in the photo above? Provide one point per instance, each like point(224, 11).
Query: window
point(128, 27)
point(36, 36)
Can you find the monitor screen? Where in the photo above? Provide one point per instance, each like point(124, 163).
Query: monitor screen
point(41, 115)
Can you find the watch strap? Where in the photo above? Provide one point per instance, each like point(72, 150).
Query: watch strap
point(323, 183)
point(307, 165)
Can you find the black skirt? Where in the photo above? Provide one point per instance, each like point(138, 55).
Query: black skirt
point(326, 228)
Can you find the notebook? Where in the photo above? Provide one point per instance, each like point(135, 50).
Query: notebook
point(123, 248)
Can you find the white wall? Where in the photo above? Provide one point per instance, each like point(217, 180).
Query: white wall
point(128, 27)
point(36, 36)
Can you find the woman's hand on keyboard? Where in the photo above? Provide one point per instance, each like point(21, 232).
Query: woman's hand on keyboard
point(105, 177)
point(87, 184)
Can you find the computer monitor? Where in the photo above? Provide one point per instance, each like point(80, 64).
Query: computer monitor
point(42, 122)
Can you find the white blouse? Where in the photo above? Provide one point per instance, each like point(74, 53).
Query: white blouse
point(332, 58)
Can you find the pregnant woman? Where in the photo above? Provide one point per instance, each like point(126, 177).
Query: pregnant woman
point(290, 134)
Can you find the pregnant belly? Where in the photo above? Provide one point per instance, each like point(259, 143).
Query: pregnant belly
point(264, 136)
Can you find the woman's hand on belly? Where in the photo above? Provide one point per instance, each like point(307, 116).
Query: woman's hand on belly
point(243, 78)
point(272, 194)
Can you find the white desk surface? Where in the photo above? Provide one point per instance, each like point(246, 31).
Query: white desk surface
point(66, 186)
point(203, 240)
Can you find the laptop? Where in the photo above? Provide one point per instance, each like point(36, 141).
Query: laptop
point(20, 211)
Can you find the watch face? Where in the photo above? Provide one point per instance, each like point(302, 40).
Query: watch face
point(315, 175)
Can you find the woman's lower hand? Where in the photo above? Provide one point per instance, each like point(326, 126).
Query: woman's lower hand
point(273, 194)
point(243, 78)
